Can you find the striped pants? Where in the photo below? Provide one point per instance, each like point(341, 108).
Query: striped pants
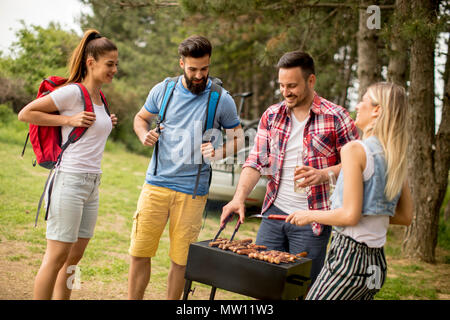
point(352, 271)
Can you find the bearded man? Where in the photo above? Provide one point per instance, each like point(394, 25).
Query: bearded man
point(172, 191)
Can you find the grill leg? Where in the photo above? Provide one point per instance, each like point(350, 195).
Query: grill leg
point(213, 293)
point(187, 289)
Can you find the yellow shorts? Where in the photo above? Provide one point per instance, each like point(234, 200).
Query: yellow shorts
point(155, 206)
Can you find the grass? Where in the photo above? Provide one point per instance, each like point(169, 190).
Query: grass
point(104, 268)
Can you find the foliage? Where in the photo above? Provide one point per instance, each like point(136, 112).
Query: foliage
point(38, 53)
point(13, 93)
point(6, 114)
point(147, 43)
point(256, 33)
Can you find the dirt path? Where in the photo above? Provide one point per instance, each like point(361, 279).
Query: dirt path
point(19, 265)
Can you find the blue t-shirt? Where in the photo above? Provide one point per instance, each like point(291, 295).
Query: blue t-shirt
point(179, 151)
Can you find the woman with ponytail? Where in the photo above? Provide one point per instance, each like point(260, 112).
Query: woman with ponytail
point(73, 210)
point(371, 193)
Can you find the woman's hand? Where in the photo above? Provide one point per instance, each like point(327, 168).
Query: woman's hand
point(299, 218)
point(113, 120)
point(82, 119)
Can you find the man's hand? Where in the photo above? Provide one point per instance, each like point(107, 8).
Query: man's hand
point(232, 207)
point(208, 151)
point(312, 176)
point(150, 138)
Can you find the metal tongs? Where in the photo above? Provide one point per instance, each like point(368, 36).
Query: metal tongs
point(236, 228)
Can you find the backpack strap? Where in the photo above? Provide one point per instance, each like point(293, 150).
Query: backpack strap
point(213, 100)
point(49, 180)
point(168, 91)
point(78, 132)
point(105, 103)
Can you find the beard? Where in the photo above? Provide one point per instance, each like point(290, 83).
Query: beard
point(300, 101)
point(196, 88)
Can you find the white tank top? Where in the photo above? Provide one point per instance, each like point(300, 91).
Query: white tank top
point(288, 200)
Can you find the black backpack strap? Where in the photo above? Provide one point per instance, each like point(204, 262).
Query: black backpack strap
point(50, 179)
point(25, 145)
point(105, 103)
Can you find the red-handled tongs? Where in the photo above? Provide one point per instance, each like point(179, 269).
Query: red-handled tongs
point(270, 216)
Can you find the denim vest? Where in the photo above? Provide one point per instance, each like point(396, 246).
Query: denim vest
point(374, 201)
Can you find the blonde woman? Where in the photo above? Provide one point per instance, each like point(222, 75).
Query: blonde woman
point(371, 193)
point(75, 199)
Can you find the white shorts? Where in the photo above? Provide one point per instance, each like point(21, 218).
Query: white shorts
point(73, 206)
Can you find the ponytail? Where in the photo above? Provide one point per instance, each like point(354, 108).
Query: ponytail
point(92, 44)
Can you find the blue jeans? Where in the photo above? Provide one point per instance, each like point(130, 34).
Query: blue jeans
point(282, 236)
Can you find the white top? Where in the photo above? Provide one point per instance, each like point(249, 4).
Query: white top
point(288, 200)
point(85, 155)
point(370, 230)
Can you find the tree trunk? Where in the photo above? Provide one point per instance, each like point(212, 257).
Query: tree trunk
point(398, 58)
point(349, 60)
point(428, 164)
point(447, 212)
point(368, 68)
point(443, 136)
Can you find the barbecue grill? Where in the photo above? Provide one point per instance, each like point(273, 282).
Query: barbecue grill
point(240, 274)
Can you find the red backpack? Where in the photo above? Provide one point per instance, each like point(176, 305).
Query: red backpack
point(46, 140)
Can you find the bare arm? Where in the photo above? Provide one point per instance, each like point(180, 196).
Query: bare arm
point(404, 210)
point(247, 181)
point(235, 138)
point(353, 164)
point(141, 126)
point(42, 112)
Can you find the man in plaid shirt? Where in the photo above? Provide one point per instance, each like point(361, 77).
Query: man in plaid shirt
point(298, 138)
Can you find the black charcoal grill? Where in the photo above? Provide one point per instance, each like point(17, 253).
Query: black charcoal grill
point(240, 274)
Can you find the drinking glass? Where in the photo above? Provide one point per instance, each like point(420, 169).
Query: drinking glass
point(332, 184)
point(299, 163)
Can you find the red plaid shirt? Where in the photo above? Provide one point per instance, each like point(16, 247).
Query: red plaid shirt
point(328, 128)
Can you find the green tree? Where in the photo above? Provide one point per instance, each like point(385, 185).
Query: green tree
point(429, 154)
point(38, 53)
point(147, 40)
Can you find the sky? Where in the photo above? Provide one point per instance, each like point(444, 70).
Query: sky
point(37, 12)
